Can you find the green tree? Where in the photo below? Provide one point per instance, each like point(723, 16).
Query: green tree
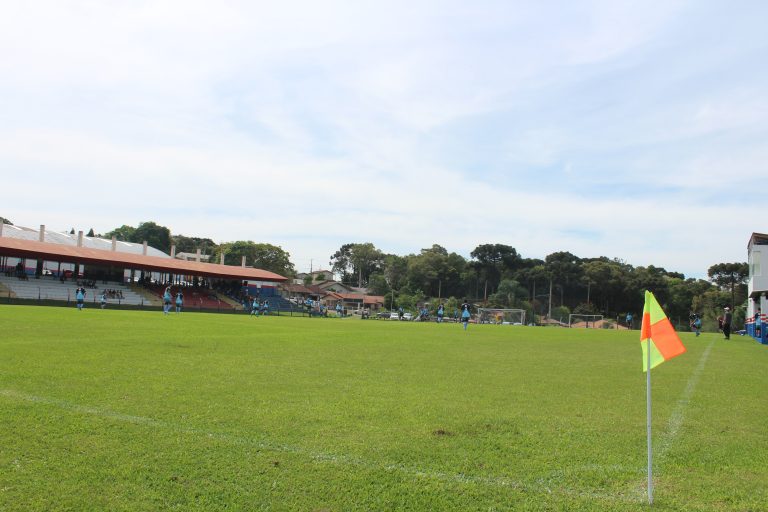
point(733, 277)
point(510, 294)
point(155, 235)
point(565, 271)
point(124, 233)
point(264, 256)
point(408, 299)
point(683, 294)
point(90, 233)
point(490, 261)
point(377, 284)
point(395, 270)
point(191, 244)
point(606, 282)
point(356, 262)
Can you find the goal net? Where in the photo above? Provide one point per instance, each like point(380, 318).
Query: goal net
point(585, 321)
point(501, 316)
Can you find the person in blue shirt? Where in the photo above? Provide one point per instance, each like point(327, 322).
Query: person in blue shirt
point(265, 308)
point(167, 300)
point(696, 324)
point(80, 297)
point(465, 315)
point(255, 307)
point(440, 313)
point(179, 301)
point(629, 321)
point(339, 311)
point(103, 300)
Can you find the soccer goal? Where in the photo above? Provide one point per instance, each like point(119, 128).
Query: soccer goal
point(501, 316)
point(585, 321)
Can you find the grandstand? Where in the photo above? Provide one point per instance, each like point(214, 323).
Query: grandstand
point(53, 289)
point(47, 266)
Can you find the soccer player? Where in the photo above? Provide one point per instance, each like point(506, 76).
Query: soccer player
point(440, 313)
point(255, 307)
point(80, 296)
point(167, 300)
point(179, 301)
point(465, 313)
point(103, 299)
point(696, 324)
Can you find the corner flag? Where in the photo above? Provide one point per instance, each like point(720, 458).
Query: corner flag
point(657, 335)
point(660, 342)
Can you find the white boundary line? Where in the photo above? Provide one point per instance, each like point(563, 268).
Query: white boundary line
point(548, 485)
point(678, 413)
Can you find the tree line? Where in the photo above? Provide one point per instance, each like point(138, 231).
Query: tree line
point(495, 275)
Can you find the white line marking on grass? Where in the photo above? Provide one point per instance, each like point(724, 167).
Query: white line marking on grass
point(678, 413)
point(548, 485)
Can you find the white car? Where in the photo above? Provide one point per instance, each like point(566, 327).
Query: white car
point(407, 316)
point(393, 316)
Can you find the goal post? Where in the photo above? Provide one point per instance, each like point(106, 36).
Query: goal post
point(501, 316)
point(576, 320)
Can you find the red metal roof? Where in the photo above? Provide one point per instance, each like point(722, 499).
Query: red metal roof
point(70, 254)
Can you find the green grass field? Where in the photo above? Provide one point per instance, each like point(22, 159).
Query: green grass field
point(117, 410)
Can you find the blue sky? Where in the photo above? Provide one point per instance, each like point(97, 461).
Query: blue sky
point(635, 130)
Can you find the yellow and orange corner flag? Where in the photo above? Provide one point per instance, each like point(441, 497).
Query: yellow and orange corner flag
point(658, 334)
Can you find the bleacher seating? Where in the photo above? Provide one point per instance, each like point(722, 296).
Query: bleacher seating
point(196, 298)
point(50, 288)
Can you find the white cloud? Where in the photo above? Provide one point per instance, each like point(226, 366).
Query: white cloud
point(310, 125)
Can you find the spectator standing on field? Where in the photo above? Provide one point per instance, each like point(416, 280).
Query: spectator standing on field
point(727, 319)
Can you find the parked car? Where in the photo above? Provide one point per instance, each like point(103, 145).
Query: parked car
point(407, 316)
point(394, 316)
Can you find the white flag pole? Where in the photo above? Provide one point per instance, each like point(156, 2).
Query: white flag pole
point(650, 450)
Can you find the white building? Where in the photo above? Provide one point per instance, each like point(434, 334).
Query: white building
point(757, 286)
